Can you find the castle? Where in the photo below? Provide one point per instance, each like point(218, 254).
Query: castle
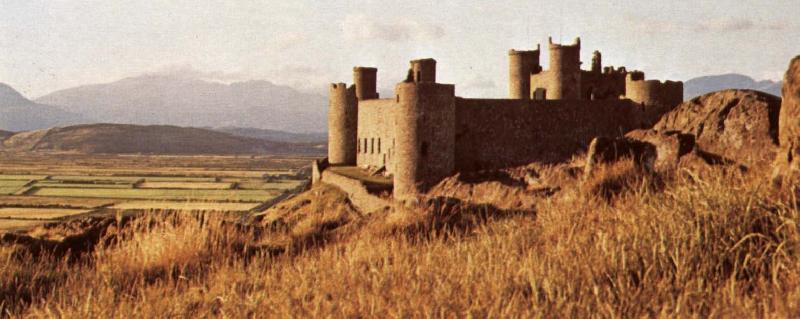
point(425, 132)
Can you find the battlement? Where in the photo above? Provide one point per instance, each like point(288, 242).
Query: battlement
point(611, 70)
point(575, 45)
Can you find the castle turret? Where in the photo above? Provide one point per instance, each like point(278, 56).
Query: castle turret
point(652, 92)
point(597, 62)
point(521, 64)
point(655, 96)
point(366, 82)
point(565, 67)
point(342, 125)
point(425, 135)
point(424, 70)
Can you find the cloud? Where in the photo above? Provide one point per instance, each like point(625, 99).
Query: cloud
point(725, 25)
point(361, 27)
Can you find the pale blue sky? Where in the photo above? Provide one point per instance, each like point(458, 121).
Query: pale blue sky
point(47, 45)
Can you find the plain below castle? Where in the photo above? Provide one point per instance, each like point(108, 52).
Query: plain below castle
point(425, 132)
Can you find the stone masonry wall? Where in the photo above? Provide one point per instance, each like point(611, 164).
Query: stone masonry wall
point(376, 134)
point(492, 133)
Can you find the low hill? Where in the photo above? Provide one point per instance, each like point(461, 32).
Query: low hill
point(17, 113)
point(174, 99)
point(275, 135)
point(712, 83)
point(154, 139)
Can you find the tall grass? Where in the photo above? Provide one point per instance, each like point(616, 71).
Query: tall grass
point(713, 243)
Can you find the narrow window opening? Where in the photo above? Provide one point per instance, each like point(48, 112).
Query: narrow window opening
point(379, 145)
point(372, 145)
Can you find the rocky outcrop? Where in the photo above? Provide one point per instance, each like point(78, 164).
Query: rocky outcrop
point(786, 162)
point(653, 151)
point(741, 125)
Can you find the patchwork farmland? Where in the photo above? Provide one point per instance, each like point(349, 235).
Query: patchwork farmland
point(40, 188)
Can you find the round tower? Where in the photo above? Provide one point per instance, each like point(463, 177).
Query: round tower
point(521, 64)
point(565, 67)
point(342, 125)
point(366, 82)
point(425, 136)
point(424, 70)
point(597, 62)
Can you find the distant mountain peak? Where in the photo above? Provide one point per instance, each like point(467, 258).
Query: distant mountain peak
point(9, 96)
point(712, 83)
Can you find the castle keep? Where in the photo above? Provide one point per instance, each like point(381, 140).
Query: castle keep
point(424, 132)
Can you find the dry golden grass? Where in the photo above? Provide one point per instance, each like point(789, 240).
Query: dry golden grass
point(714, 243)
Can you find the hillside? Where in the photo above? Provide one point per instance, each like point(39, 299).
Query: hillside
point(17, 113)
point(5, 134)
point(185, 101)
point(155, 139)
point(275, 135)
point(712, 83)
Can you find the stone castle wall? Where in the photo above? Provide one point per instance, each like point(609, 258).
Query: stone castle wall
point(375, 142)
point(492, 133)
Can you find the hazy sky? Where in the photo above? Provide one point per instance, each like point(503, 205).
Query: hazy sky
point(47, 45)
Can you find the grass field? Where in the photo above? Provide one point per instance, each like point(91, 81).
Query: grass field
point(48, 183)
point(44, 201)
point(186, 185)
point(58, 185)
point(14, 224)
point(157, 205)
point(159, 194)
point(39, 213)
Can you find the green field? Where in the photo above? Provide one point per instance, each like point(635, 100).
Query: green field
point(245, 195)
point(39, 213)
point(155, 205)
point(21, 177)
point(57, 184)
point(53, 187)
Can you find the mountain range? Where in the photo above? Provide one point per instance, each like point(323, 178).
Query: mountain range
point(707, 84)
point(183, 101)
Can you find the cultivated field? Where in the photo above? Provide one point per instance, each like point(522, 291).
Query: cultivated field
point(39, 188)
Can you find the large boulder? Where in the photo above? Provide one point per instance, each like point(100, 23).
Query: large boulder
point(741, 125)
point(786, 163)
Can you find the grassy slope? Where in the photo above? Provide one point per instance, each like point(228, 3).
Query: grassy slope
point(151, 139)
point(707, 244)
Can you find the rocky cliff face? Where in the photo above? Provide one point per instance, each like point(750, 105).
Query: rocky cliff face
point(787, 163)
point(737, 124)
